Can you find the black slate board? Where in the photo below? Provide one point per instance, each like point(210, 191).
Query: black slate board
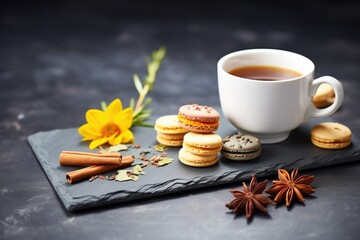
point(296, 151)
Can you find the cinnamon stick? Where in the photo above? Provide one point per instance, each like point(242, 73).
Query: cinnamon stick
point(75, 158)
point(80, 174)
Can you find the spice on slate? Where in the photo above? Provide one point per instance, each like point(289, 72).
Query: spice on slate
point(249, 199)
point(289, 185)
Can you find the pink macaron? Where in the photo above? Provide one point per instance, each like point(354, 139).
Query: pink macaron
point(198, 118)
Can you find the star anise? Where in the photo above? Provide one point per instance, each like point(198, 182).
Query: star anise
point(288, 184)
point(250, 198)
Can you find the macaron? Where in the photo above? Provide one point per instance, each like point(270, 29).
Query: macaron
point(195, 160)
point(198, 118)
point(200, 149)
point(202, 144)
point(171, 140)
point(240, 147)
point(324, 96)
point(331, 135)
point(169, 133)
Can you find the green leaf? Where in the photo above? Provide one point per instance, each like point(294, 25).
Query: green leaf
point(160, 147)
point(134, 177)
point(112, 149)
point(159, 54)
point(164, 161)
point(137, 170)
point(141, 118)
point(137, 83)
point(132, 104)
point(118, 148)
point(146, 103)
point(123, 176)
point(103, 105)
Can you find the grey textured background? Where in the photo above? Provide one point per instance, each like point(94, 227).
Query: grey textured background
point(59, 58)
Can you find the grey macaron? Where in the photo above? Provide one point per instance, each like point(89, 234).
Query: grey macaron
point(241, 147)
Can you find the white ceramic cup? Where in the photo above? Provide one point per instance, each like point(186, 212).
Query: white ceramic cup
point(270, 110)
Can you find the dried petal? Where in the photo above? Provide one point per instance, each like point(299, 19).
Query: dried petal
point(299, 195)
point(305, 189)
point(259, 205)
point(246, 189)
point(259, 188)
point(253, 183)
point(289, 196)
point(304, 179)
point(294, 174)
point(263, 199)
point(280, 196)
point(249, 207)
point(275, 188)
point(237, 193)
point(283, 175)
point(240, 206)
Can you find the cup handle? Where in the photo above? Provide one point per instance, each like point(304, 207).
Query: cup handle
point(339, 97)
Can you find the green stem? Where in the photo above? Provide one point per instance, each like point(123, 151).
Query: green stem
point(141, 99)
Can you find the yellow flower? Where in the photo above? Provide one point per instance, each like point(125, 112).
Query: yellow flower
point(109, 126)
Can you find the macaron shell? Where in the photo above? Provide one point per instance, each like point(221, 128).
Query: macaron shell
point(330, 145)
point(195, 160)
point(199, 113)
point(241, 156)
point(169, 124)
point(200, 150)
point(171, 140)
point(209, 140)
point(198, 126)
point(172, 137)
point(238, 143)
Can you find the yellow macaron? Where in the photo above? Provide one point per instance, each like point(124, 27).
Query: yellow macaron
point(169, 133)
point(195, 160)
point(200, 149)
point(331, 135)
point(202, 144)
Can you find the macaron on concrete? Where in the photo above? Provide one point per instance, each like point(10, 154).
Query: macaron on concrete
point(169, 133)
point(200, 149)
point(241, 147)
point(331, 135)
point(198, 118)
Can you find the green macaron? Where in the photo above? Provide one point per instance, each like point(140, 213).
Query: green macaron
point(241, 147)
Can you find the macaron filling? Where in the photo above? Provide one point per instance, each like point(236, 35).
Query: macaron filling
point(188, 122)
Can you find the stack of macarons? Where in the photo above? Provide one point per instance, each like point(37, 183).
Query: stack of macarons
point(169, 133)
point(200, 145)
point(200, 149)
